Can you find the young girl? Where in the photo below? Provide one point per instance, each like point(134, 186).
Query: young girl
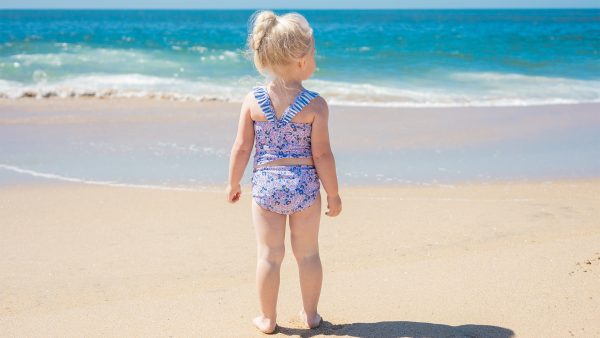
point(290, 124)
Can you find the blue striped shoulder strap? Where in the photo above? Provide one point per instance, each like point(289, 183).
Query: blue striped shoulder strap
point(264, 101)
point(300, 102)
point(262, 97)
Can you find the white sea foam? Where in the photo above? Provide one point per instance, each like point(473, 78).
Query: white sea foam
point(58, 177)
point(122, 85)
point(492, 89)
point(77, 55)
point(460, 89)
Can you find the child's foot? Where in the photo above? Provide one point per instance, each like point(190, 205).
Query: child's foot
point(264, 324)
point(312, 322)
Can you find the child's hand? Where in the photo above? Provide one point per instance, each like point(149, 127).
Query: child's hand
point(233, 193)
point(334, 205)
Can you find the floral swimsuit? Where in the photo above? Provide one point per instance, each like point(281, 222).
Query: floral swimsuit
point(284, 189)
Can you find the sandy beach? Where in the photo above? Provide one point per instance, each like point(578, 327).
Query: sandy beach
point(504, 258)
point(475, 260)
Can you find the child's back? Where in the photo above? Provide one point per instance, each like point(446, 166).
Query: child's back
point(289, 126)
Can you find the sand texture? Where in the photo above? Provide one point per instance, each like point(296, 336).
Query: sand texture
point(472, 260)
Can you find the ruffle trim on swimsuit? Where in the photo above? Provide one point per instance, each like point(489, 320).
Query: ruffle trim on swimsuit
point(300, 101)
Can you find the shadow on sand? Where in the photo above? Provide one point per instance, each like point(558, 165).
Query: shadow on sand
point(400, 329)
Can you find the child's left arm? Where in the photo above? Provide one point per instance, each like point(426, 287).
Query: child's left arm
point(240, 152)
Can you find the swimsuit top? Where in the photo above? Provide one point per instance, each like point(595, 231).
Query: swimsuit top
point(280, 138)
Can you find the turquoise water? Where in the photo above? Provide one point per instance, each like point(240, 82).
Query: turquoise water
point(364, 57)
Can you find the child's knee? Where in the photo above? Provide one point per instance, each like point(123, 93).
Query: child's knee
point(306, 255)
point(273, 255)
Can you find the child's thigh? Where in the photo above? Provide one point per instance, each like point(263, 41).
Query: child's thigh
point(304, 228)
point(269, 226)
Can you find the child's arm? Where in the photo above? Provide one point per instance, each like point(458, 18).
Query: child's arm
point(240, 152)
point(323, 157)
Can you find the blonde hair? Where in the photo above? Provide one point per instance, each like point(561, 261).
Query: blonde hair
point(278, 40)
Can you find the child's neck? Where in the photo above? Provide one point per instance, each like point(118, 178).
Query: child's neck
point(287, 83)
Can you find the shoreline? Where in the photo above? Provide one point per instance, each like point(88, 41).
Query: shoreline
point(42, 179)
point(218, 101)
point(373, 146)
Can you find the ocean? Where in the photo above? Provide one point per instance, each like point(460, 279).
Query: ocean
point(397, 66)
point(399, 58)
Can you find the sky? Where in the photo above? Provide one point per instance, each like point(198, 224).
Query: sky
point(317, 4)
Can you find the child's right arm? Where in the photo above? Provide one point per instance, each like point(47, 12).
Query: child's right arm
point(240, 152)
point(323, 157)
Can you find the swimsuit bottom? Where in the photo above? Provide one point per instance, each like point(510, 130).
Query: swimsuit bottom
point(285, 189)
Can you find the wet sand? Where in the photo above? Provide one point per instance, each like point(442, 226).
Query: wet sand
point(510, 258)
point(358, 127)
point(188, 143)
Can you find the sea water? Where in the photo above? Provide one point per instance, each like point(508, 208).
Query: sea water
point(364, 57)
point(397, 58)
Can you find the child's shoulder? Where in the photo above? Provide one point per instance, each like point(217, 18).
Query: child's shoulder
point(318, 105)
point(249, 98)
point(319, 101)
point(249, 94)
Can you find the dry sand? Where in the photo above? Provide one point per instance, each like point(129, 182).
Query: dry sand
point(474, 260)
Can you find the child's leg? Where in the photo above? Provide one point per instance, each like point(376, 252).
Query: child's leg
point(270, 235)
point(304, 226)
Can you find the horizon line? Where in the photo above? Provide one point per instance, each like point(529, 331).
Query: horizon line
point(307, 8)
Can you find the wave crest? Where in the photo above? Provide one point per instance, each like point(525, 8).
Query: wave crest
point(456, 90)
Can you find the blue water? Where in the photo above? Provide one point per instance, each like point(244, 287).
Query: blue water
point(364, 57)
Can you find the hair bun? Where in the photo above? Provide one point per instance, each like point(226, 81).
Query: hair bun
point(274, 41)
point(263, 22)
